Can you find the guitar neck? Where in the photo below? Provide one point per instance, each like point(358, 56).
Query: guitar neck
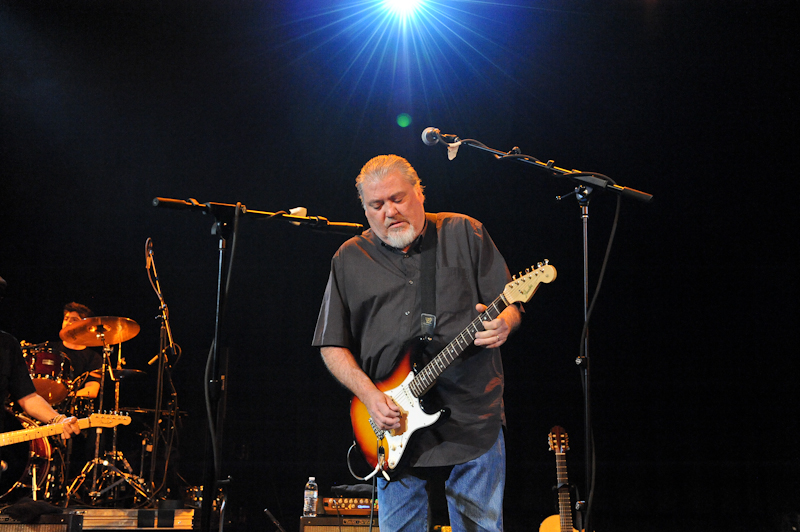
point(426, 378)
point(564, 509)
point(34, 433)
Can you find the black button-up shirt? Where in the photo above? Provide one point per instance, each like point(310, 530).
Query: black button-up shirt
point(372, 307)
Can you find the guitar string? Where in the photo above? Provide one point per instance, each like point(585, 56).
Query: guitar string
point(425, 379)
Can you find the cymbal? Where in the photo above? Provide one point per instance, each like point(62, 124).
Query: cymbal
point(122, 374)
point(99, 331)
point(139, 410)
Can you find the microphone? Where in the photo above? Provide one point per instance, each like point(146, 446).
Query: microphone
point(431, 136)
point(148, 253)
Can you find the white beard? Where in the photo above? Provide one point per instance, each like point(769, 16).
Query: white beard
point(401, 238)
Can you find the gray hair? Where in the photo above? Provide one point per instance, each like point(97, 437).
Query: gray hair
point(381, 166)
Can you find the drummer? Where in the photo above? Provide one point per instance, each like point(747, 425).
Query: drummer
point(83, 369)
point(15, 383)
point(83, 362)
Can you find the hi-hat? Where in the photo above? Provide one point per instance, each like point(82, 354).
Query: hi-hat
point(125, 373)
point(99, 331)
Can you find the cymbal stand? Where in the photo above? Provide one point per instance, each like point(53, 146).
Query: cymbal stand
point(92, 465)
point(137, 483)
point(110, 466)
point(101, 395)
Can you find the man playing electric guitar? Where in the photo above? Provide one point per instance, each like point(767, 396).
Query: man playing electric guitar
point(372, 306)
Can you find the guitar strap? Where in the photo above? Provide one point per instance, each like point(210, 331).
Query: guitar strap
point(427, 284)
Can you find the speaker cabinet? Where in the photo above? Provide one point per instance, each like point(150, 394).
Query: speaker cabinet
point(47, 523)
point(333, 523)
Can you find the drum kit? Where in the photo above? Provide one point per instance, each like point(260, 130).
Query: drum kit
point(30, 463)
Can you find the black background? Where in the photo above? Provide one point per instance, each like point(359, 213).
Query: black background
point(106, 105)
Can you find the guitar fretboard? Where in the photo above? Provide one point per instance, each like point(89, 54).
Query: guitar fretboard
point(426, 378)
point(564, 509)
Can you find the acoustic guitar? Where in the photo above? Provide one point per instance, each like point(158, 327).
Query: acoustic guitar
point(559, 444)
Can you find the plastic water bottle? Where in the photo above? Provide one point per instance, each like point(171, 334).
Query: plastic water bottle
point(310, 496)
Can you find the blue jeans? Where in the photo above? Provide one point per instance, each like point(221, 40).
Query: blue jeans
point(474, 492)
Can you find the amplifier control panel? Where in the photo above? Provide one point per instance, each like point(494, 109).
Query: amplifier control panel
point(348, 506)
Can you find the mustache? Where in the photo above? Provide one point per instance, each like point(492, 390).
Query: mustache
point(388, 223)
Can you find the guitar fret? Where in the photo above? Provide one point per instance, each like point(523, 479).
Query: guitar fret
point(425, 379)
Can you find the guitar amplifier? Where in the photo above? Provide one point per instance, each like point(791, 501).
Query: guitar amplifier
point(47, 523)
point(341, 523)
point(349, 505)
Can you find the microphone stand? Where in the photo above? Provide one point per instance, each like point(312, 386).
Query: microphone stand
point(166, 345)
point(582, 194)
point(586, 181)
point(225, 215)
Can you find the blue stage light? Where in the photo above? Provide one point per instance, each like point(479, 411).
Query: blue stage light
point(402, 8)
point(420, 57)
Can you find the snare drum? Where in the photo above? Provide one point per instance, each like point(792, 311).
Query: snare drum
point(26, 460)
point(46, 366)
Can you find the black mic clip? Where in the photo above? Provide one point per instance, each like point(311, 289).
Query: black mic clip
point(581, 192)
point(432, 136)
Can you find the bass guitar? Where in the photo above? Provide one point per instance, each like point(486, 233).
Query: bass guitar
point(559, 444)
point(34, 433)
point(384, 450)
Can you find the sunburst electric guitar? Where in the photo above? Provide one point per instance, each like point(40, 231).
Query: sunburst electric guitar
point(34, 433)
point(383, 450)
point(559, 444)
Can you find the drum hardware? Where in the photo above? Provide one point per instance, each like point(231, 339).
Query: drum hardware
point(106, 331)
point(110, 472)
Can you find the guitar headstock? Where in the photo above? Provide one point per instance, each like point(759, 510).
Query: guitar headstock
point(108, 420)
point(522, 288)
point(559, 440)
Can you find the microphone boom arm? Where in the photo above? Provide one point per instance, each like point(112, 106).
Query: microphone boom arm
point(590, 178)
point(319, 223)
